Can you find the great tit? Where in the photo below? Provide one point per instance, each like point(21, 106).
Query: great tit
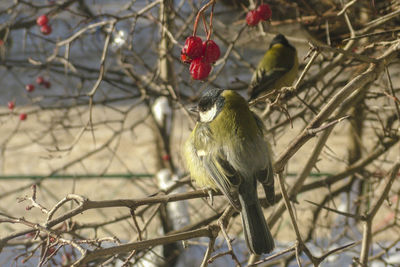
point(278, 68)
point(227, 151)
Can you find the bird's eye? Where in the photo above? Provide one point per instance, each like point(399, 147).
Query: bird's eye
point(202, 108)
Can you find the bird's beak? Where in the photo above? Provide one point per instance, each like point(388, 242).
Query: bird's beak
point(194, 109)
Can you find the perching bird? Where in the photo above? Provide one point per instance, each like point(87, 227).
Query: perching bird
point(227, 151)
point(278, 68)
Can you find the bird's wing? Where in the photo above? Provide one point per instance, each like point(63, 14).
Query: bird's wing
point(265, 81)
point(260, 124)
point(224, 176)
point(270, 76)
point(266, 176)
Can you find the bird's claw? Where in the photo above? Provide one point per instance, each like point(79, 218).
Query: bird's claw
point(210, 194)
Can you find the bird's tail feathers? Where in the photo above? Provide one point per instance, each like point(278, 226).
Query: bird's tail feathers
point(258, 236)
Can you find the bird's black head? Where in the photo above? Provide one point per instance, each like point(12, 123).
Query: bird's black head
point(280, 39)
point(210, 104)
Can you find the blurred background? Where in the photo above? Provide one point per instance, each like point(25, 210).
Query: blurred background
point(111, 117)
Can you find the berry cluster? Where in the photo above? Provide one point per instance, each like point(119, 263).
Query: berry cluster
point(200, 55)
point(11, 106)
point(43, 22)
point(40, 81)
point(261, 13)
point(29, 88)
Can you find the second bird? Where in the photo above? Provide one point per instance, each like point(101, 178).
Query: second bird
point(278, 68)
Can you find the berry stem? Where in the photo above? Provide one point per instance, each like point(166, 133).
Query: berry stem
point(205, 24)
point(211, 2)
point(211, 22)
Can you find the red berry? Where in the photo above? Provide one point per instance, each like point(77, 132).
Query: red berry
point(199, 69)
point(30, 87)
point(22, 116)
point(46, 29)
point(264, 12)
point(166, 157)
point(11, 105)
point(211, 51)
point(42, 20)
point(193, 47)
point(46, 84)
point(1, 42)
point(252, 18)
point(185, 58)
point(39, 80)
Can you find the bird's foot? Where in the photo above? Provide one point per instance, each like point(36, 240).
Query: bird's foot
point(289, 89)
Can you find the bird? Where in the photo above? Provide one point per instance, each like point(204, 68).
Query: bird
point(227, 151)
point(278, 68)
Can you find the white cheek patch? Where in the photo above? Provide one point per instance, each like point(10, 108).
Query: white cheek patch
point(208, 115)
